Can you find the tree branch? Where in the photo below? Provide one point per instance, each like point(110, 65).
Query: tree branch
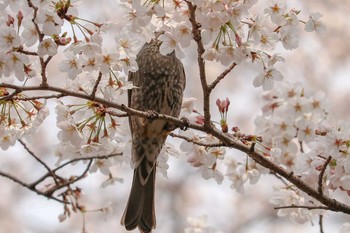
point(332, 204)
point(109, 104)
point(226, 139)
point(320, 222)
point(196, 34)
point(21, 50)
point(70, 181)
point(302, 207)
point(30, 187)
point(51, 173)
point(221, 76)
point(96, 84)
point(40, 97)
point(320, 178)
point(70, 162)
point(195, 141)
point(10, 96)
point(39, 160)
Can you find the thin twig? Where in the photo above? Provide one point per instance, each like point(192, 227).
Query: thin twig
point(196, 34)
point(70, 162)
point(40, 97)
point(320, 177)
point(28, 186)
point(70, 181)
point(279, 178)
point(43, 63)
point(302, 207)
point(39, 160)
point(195, 141)
point(21, 50)
point(14, 179)
point(320, 222)
point(222, 76)
point(87, 158)
point(93, 93)
point(41, 35)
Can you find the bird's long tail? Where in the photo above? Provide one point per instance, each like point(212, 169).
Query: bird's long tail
point(139, 211)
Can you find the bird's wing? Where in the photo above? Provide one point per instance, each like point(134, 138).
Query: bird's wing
point(131, 77)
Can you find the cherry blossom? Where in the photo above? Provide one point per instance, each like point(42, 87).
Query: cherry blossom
point(51, 23)
point(47, 47)
point(70, 133)
point(276, 9)
point(102, 165)
point(289, 37)
point(266, 79)
point(71, 66)
point(8, 38)
point(137, 14)
point(111, 181)
point(7, 138)
point(315, 24)
point(289, 197)
point(29, 34)
point(169, 44)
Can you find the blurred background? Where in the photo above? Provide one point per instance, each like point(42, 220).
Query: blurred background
point(320, 63)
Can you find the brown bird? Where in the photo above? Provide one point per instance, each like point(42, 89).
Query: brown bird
point(160, 82)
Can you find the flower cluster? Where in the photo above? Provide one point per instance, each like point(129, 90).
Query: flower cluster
point(289, 198)
point(200, 153)
point(89, 130)
point(20, 40)
point(91, 67)
point(290, 120)
point(234, 36)
point(299, 134)
point(19, 117)
point(240, 173)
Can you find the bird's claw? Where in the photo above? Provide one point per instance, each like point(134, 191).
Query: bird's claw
point(186, 124)
point(151, 115)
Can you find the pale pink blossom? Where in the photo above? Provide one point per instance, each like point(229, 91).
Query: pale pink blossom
point(70, 133)
point(102, 165)
point(276, 9)
point(8, 38)
point(315, 24)
point(267, 78)
point(50, 21)
point(71, 66)
point(169, 44)
point(47, 47)
point(289, 37)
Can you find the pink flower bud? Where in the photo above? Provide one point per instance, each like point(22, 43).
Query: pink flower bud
point(10, 20)
point(19, 18)
point(223, 105)
point(238, 40)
